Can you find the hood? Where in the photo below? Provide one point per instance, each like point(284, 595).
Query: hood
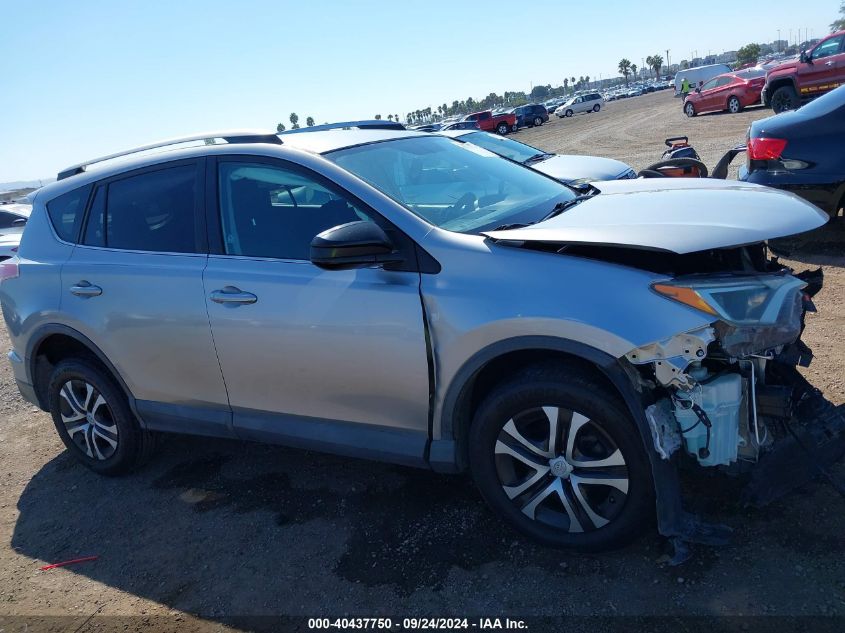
point(788, 66)
point(569, 167)
point(678, 215)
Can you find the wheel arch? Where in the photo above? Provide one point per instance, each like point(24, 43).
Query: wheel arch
point(780, 82)
point(489, 367)
point(50, 344)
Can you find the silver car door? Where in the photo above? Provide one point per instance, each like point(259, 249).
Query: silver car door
point(329, 359)
point(133, 286)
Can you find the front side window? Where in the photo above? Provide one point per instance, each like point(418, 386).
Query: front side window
point(709, 85)
point(828, 48)
point(272, 211)
point(152, 211)
point(455, 186)
point(66, 212)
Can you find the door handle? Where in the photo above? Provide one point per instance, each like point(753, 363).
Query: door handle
point(84, 289)
point(231, 294)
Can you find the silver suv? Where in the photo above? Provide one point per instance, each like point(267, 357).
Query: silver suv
point(401, 296)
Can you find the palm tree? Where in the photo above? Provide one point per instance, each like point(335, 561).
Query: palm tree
point(655, 64)
point(572, 81)
point(587, 79)
point(309, 121)
point(389, 117)
point(634, 70)
point(396, 117)
point(294, 120)
point(280, 127)
point(565, 84)
point(625, 68)
point(377, 117)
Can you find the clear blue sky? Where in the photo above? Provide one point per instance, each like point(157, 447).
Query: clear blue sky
point(84, 78)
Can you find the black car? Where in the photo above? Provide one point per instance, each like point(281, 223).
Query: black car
point(531, 115)
point(802, 151)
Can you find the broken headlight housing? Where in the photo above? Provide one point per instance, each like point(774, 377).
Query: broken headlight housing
point(757, 312)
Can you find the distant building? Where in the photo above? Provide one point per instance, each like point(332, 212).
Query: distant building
point(726, 58)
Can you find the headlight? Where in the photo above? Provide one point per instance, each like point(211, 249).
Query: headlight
point(747, 300)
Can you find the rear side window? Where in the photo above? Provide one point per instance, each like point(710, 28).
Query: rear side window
point(153, 211)
point(66, 212)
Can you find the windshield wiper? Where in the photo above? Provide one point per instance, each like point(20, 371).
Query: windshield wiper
point(508, 227)
point(538, 157)
point(560, 207)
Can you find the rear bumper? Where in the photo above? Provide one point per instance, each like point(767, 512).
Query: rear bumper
point(21, 379)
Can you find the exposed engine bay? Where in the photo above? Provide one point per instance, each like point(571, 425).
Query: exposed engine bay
point(727, 394)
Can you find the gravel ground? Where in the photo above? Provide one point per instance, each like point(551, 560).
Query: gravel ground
point(213, 529)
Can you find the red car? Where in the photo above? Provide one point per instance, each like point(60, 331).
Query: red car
point(489, 122)
point(731, 91)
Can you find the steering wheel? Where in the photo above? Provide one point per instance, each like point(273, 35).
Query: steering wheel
point(656, 170)
point(465, 204)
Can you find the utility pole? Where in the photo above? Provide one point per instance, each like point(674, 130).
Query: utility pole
point(668, 65)
point(778, 40)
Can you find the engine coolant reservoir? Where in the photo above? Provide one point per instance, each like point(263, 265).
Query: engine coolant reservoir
point(721, 400)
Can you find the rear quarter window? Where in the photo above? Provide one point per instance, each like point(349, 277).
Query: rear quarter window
point(66, 212)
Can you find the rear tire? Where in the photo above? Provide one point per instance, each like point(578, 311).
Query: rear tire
point(538, 121)
point(528, 420)
point(784, 98)
point(93, 419)
point(734, 106)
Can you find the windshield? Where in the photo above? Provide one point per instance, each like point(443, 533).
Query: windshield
point(455, 186)
point(520, 152)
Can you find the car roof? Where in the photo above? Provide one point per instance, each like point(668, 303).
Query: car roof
point(331, 140)
point(317, 142)
point(17, 208)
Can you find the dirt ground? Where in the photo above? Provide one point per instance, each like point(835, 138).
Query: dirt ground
point(214, 529)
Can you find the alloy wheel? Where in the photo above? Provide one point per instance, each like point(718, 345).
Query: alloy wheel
point(733, 105)
point(689, 109)
point(562, 469)
point(88, 419)
point(538, 122)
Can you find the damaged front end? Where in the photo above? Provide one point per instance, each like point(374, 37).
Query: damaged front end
point(728, 396)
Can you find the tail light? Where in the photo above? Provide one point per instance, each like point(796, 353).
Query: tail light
point(9, 269)
point(765, 148)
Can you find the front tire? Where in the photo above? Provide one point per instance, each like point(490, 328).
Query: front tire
point(502, 128)
point(558, 457)
point(784, 98)
point(689, 109)
point(734, 106)
point(569, 113)
point(93, 419)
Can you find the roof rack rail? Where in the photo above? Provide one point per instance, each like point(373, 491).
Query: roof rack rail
point(230, 136)
point(370, 124)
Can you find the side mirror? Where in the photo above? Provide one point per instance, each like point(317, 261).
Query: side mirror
point(698, 89)
point(352, 245)
point(804, 58)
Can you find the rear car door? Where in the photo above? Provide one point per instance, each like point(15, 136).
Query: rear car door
point(133, 286)
point(316, 358)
